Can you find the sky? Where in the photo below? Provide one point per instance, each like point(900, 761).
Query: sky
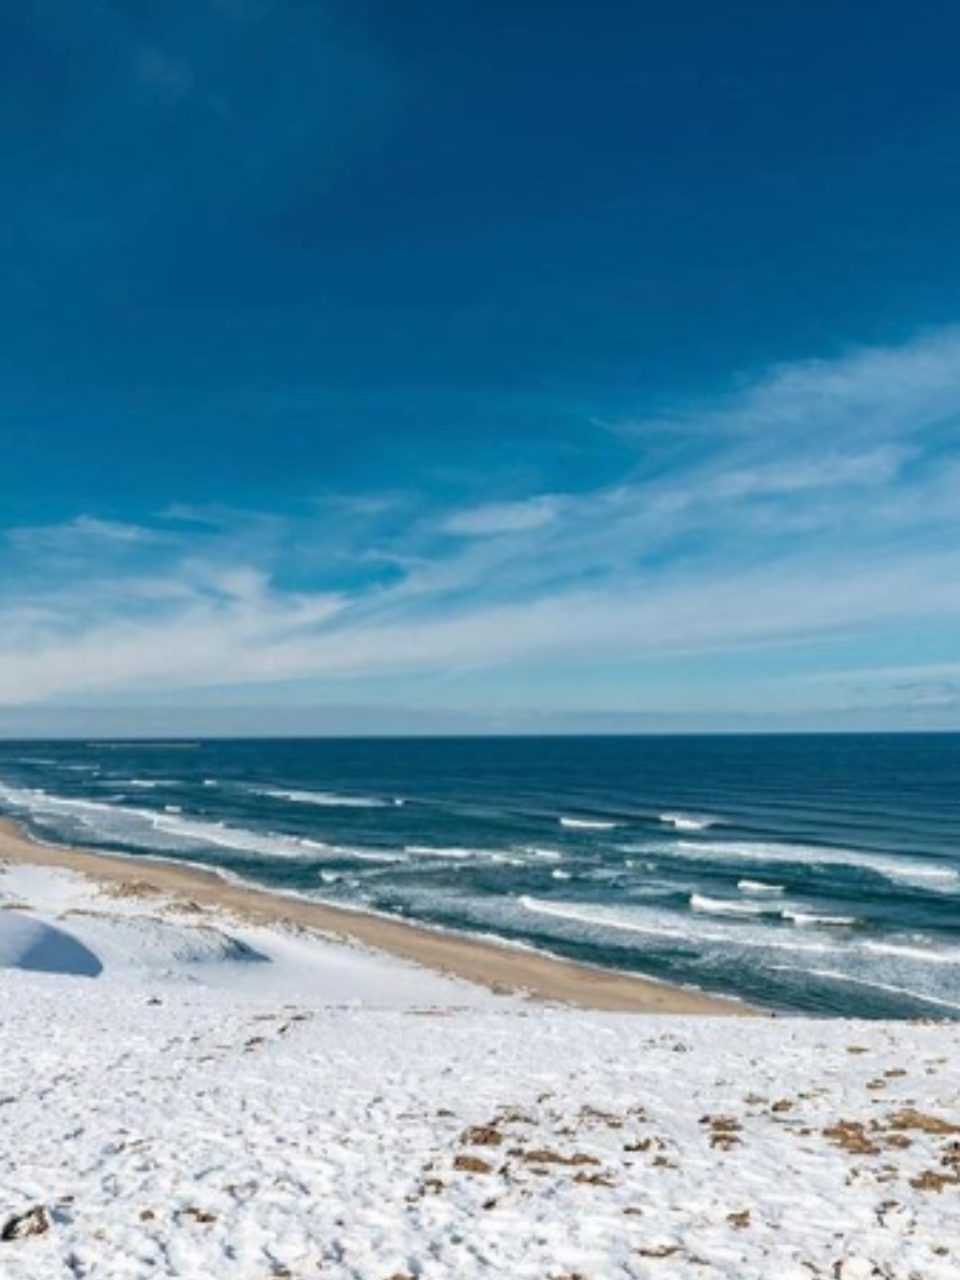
point(480, 367)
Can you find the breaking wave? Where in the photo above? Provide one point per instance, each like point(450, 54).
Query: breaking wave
point(686, 821)
point(728, 907)
point(808, 918)
point(327, 799)
point(164, 832)
point(924, 875)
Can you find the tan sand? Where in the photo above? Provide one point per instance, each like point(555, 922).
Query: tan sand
point(499, 968)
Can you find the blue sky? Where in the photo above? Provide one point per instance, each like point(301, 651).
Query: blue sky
point(482, 366)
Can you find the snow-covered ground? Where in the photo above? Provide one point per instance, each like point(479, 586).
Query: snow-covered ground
point(60, 922)
point(193, 1111)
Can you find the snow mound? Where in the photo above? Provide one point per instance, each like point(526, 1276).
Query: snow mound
point(35, 945)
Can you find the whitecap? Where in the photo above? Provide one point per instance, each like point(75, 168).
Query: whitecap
point(726, 907)
point(808, 918)
point(446, 851)
point(588, 824)
point(926, 955)
point(904, 871)
point(147, 829)
point(686, 821)
point(887, 987)
point(683, 929)
point(325, 799)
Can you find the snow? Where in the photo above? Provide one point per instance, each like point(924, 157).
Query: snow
point(137, 936)
point(348, 1116)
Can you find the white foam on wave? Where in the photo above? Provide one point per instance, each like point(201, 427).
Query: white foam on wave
point(326, 799)
point(805, 949)
point(809, 918)
point(686, 821)
point(728, 907)
point(900, 870)
point(588, 824)
point(448, 851)
point(683, 929)
point(759, 886)
point(560, 875)
point(367, 855)
point(167, 832)
point(551, 855)
point(904, 951)
point(236, 839)
point(889, 988)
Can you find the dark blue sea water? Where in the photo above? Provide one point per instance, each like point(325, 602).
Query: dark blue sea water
point(814, 873)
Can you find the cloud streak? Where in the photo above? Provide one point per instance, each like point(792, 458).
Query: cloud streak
point(817, 509)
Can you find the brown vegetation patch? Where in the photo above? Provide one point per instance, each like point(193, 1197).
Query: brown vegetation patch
point(910, 1119)
point(932, 1180)
point(127, 889)
point(851, 1135)
point(594, 1180)
point(544, 1156)
point(481, 1135)
point(592, 1115)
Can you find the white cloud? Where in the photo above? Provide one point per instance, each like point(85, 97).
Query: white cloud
point(819, 506)
point(503, 517)
point(81, 533)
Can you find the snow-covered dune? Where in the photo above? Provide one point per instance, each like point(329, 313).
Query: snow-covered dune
point(328, 1112)
point(32, 944)
point(60, 921)
point(194, 1132)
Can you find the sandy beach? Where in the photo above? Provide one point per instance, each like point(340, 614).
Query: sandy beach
point(499, 968)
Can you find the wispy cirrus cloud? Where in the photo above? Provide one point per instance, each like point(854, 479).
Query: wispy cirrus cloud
point(818, 510)
point(503, 517)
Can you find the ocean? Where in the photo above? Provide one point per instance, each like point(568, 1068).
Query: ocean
point(816, 874)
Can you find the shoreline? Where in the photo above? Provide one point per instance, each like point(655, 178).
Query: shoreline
point(501, 969)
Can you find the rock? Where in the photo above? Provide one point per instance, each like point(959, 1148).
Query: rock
point(35, 1222)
